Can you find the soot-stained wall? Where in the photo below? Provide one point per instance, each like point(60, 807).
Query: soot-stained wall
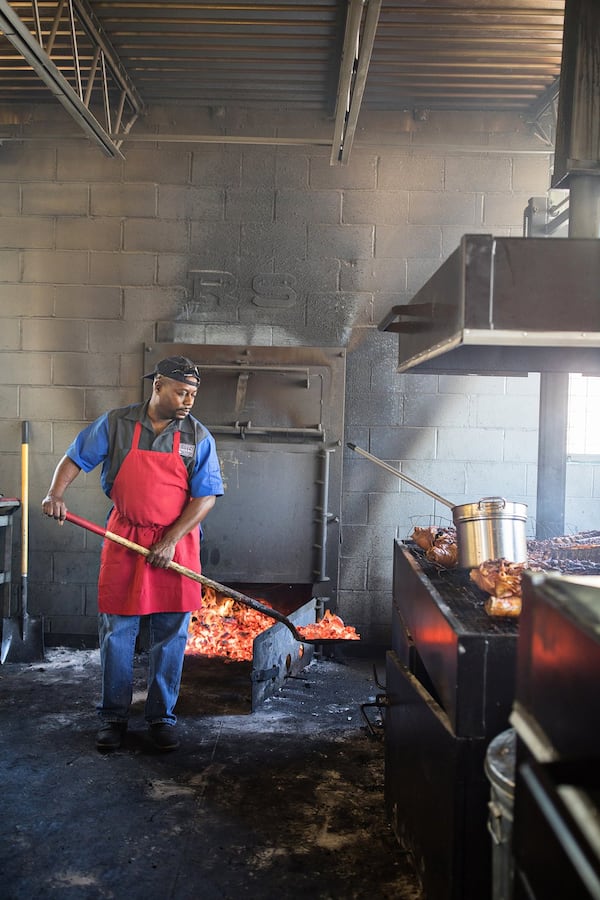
point(239, 243)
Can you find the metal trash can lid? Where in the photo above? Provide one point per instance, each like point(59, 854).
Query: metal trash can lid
point(500, 760)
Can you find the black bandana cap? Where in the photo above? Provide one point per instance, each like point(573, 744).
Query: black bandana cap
point(179, 368)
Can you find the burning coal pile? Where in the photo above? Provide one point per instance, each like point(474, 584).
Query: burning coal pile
point(225, 628)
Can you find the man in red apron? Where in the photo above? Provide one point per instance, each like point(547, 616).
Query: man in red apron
point(161, 472)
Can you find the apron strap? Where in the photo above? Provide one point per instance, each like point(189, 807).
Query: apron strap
point(136, 435)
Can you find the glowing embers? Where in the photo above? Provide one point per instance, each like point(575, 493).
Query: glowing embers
point(330, 627)
point(223, 627)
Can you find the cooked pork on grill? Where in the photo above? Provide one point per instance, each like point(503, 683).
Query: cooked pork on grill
point(439, 544)
point(500, 579)
point(503, 606)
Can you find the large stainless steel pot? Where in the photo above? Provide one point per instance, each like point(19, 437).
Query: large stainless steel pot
point(492, 528)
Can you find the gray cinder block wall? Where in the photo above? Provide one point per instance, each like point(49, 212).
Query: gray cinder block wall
point(245, 244)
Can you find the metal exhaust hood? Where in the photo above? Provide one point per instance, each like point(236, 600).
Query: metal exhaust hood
point(505, 306)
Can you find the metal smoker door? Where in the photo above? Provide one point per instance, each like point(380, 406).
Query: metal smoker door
point(268, 527)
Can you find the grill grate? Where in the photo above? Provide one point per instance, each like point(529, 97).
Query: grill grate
point(461, 597)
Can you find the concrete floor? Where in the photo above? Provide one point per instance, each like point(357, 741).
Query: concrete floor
point(285, 802)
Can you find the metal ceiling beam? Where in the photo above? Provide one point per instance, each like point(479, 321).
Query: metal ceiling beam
point(546, 103)
point(354, 67)
point(74, 101)
point(98, 36)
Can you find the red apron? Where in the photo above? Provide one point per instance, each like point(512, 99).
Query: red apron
point(149, 493)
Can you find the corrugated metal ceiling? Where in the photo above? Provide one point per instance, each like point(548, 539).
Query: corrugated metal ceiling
point(460, 55)
point(440, 55)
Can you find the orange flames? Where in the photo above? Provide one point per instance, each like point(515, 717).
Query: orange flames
point(224, 628)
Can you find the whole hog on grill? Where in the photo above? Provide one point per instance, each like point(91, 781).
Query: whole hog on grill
point(500, 578)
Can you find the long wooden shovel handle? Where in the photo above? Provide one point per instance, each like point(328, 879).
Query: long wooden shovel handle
point(24, 498)
point(195, 576)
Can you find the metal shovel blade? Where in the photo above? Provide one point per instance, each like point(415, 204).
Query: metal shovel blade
point(22, 640)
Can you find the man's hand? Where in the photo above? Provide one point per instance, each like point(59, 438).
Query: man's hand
point(53, 504)
point(161, 553)
point(55, 507)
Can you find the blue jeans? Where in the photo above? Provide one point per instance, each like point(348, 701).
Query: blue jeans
point(168, 635)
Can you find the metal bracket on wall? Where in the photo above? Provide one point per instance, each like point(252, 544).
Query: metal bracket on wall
point(247, 428)
point(241, 391)
point(88, 58)
point(542, 114)
point(243, 428)
point(543, 218)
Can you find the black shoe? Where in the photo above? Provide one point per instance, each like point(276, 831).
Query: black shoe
point(110, 736)
point(163, 736)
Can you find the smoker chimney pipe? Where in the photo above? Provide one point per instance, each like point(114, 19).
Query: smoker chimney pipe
point(576, 166)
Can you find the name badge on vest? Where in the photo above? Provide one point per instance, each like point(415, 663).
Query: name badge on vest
point(187, 450)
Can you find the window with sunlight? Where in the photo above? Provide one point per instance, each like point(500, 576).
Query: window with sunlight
point(583, 434)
